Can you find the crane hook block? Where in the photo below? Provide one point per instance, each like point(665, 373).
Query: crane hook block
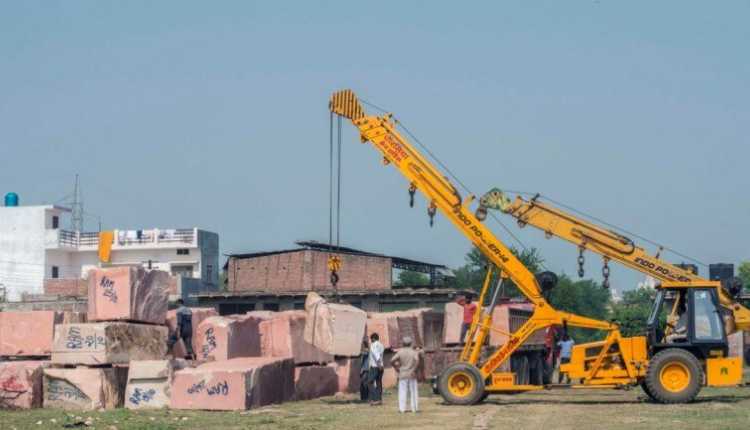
point(412, 190)
point(334, 265)
point(431, 211)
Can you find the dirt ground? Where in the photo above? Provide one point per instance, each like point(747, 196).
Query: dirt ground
point(558, 409)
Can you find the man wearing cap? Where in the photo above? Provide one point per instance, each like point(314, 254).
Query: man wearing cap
point(406, 362)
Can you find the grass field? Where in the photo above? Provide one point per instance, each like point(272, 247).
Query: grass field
point(559, 409)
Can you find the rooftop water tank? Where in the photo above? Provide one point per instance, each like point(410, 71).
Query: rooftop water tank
point(11, 199)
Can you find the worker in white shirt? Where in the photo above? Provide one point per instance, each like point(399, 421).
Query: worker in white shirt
point(375, 374)
point(566, 348)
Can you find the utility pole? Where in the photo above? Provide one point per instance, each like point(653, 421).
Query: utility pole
point(76, 217)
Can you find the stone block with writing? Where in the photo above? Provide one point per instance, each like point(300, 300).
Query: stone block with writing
point(108, 343)
point(150, 383)
point(84, 388)
point(21, 384)
point(129, 293)
point(231, 336)
point(236, 384)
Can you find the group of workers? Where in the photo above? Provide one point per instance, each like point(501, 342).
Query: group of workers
point(405, 361)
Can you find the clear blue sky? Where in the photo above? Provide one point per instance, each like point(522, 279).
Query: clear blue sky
point(215, 115)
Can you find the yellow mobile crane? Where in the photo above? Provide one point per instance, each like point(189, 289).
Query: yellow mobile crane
point(673, 375)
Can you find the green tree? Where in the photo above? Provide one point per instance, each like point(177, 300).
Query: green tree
point(586, 298)
point(471, 275)
point(408, 278)
point(743, 272)
point(633, 311)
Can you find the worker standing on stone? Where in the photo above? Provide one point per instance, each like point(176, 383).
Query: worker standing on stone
point(364, 368)
point(469, 310)
point(375, 372)
point(185, 327)
point(406, 362)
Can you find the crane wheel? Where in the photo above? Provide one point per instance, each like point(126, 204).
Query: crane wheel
point(645, 389)
point(461, 384)
point(674, 376)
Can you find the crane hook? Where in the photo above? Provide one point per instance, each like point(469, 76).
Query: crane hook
point(412, 190)
point(431, 211)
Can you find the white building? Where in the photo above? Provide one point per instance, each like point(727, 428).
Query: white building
point(34, 247)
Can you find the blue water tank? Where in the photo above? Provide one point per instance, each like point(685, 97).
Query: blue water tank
point(11, 199)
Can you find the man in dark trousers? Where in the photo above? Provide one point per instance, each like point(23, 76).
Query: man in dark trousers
point(376, 370)
point(185, 327)
point(364, 369)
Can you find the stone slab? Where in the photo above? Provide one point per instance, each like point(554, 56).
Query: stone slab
point(30, 333)
point(199, 314)
point(337, 329)
point(236, 384)
point(21, 384)
point(150, 383)
point(129, 293)
point(84, 388)
point(108, 343)
point(227, 337)
point(347, 371)
point(453, 320)
point(283, 336)
point(430, 326)
point(436, 361)
point(311, 382)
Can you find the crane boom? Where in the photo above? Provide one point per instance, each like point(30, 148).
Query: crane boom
point(554, 221)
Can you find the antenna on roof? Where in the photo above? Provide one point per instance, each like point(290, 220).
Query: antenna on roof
point(76, 217)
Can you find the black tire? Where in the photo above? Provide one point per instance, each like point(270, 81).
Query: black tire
point(686, 362)
point(537, 370)
point(461, 372)
point(645, 389)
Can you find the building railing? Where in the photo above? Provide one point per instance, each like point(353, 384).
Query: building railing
point(187, 236)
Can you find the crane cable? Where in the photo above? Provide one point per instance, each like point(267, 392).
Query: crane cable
point(334, 187)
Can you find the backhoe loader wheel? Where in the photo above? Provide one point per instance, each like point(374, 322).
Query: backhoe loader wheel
point(461, 384)
point(673, 376)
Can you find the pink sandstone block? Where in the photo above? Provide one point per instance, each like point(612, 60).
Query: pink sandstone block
point(454, 316)
point(21, 384)
point(509, 317)
point(386, 326)
point(232, 336)
point(108, 343)
point(84, 388)
point(199, 314)
point(737, 345)
point(337, 329)
point(347, 371)
point(24, 334)
point(311, 382)
point(236, 384)
point(283, 336)
point(128, 294)
point(430, 327)
point(150, 383)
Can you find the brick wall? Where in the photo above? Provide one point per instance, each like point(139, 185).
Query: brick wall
point(66, 286)
point(306, 270)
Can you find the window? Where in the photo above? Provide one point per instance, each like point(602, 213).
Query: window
point(708, 323)
point(184, 270)
point(55, 272)
point(271, 307)
point(55, 222)
point(209, 271)
point(183, 251)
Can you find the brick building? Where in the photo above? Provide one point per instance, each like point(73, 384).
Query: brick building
point(280, 280)
point(305, 269)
